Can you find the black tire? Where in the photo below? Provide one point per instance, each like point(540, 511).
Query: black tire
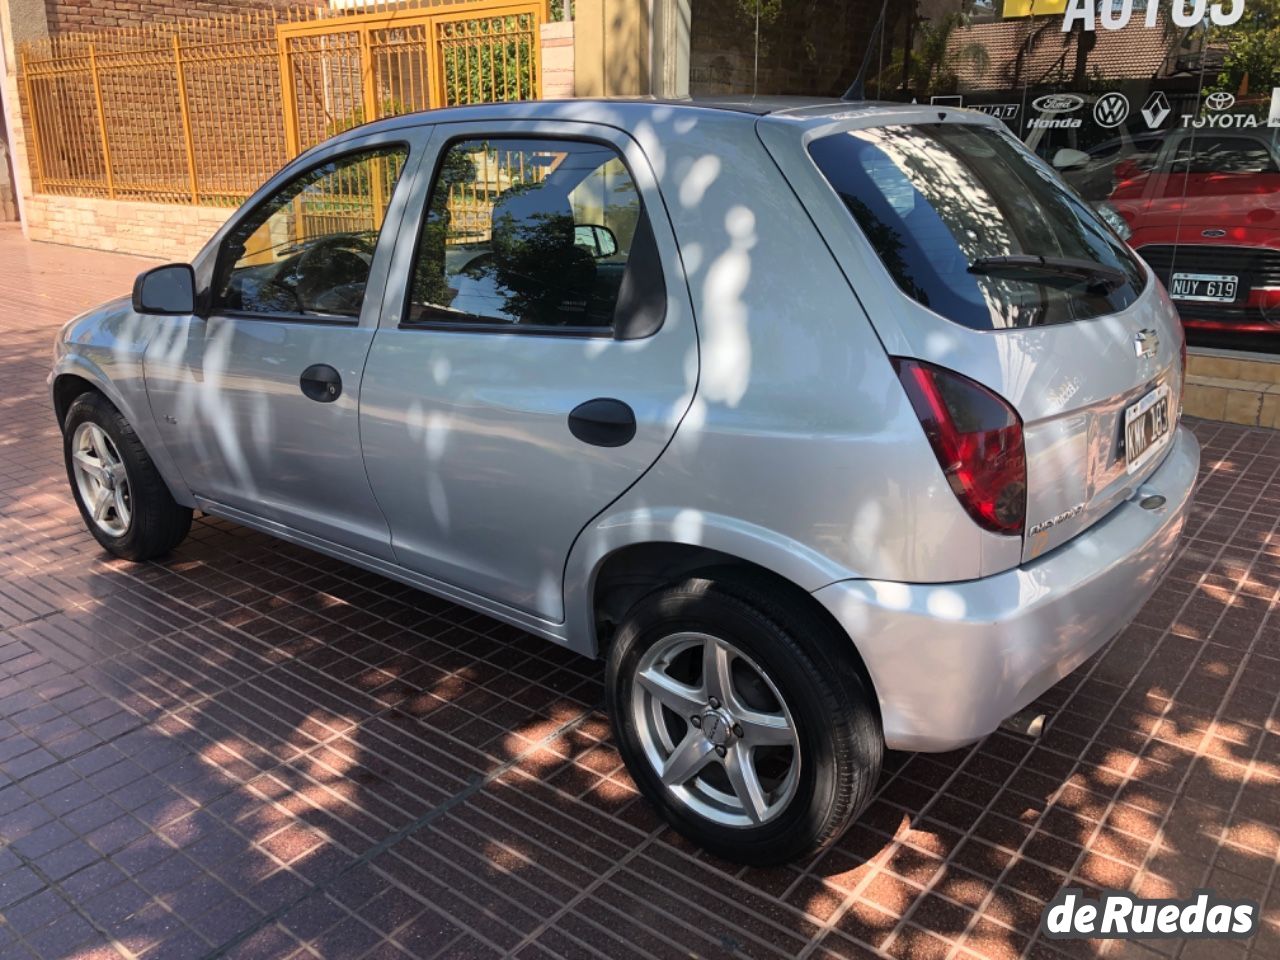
point(157, 523)
point(821, 683)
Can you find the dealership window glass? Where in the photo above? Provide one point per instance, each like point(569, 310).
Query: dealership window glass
point(307, 250)
point(956, 212)
point(1139, 105)
point(536, 234)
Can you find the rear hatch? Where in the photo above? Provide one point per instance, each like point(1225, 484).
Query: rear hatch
point(970, 254)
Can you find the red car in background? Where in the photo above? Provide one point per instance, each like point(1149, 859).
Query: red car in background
point(1204, 208)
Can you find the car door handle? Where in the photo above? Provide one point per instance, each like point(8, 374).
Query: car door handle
point(321, 383)
point(603, 422)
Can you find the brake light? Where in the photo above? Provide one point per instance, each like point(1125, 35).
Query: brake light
point(977, 438)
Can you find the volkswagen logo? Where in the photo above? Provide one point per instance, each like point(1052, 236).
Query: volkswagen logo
point(1058, 103)
point(1111, 110)
point(1220, 101)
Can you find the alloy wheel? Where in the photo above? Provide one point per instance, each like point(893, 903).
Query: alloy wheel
point(716, 730)
point(101, 479)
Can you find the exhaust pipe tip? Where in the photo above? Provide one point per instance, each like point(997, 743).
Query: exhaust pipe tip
point(1026, 723)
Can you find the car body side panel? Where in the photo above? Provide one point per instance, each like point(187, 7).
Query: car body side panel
point(800, 451)
point(105, 346)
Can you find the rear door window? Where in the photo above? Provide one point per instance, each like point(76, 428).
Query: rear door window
point(959, 215)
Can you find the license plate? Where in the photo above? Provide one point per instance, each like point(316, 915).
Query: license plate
point(1146, 428)
point(1204, 287)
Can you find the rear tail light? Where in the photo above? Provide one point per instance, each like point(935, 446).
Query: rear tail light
point(977, 438)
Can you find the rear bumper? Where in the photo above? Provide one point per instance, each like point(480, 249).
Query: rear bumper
point(951, 661)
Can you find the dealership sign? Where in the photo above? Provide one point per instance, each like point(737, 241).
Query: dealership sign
point(1117, 14)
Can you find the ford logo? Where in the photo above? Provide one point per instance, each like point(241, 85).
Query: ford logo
point(1213, 234)
point(1058, 103)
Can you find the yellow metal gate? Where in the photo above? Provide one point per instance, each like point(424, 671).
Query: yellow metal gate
point(339, 73)
point(203, 111)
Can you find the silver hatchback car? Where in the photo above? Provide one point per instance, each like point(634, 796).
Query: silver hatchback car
point(832, 426)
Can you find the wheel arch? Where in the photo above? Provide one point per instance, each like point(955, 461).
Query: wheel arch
point(623, 575)
point(66, 388)
point(75, 375)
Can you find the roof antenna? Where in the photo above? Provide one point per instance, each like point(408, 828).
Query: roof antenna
point(858, 89)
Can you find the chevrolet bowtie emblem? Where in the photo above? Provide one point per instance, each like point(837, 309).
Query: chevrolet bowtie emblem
point(1146, 343)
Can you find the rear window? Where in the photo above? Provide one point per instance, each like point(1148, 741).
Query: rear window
point(1207, 153)
point(944, 205)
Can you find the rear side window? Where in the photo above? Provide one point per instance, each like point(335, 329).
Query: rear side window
point(958, 213)
point(537, 235)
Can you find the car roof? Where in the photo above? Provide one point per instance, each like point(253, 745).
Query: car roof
point(628, 111)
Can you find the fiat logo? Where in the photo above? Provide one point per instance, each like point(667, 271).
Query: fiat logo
point(1058, 103)
point(1220, 101)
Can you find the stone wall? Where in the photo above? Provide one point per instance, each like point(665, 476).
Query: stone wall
point(165, 230)
point(557, 60)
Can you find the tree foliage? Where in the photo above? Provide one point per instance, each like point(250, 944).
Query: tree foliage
point(1252, 48)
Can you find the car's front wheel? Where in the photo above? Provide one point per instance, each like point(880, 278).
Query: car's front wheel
point(742, 720)
point(122, 497)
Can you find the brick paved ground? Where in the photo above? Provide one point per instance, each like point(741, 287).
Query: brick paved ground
point(250, 750)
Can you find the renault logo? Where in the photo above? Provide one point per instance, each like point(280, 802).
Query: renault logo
point(1156, 110)
point(1146, 343)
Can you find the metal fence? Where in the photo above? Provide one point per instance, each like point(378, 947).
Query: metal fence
point(203, 111)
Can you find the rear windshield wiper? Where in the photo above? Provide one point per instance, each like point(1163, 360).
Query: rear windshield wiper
point(1052, 271)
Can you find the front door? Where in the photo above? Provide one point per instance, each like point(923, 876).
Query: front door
point(259, 402)
point(535, 355)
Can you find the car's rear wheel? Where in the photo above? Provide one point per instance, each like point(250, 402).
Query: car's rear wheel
point(122, 497)
point(742, 720)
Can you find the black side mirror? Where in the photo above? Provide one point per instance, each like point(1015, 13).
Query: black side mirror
point(169, 290)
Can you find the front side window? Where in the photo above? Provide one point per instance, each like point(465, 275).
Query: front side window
point(308, 249)
point(976, 230)
point(530, 234)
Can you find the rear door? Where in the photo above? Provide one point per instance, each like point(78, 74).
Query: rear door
point(535, 355)
point(917, 205)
